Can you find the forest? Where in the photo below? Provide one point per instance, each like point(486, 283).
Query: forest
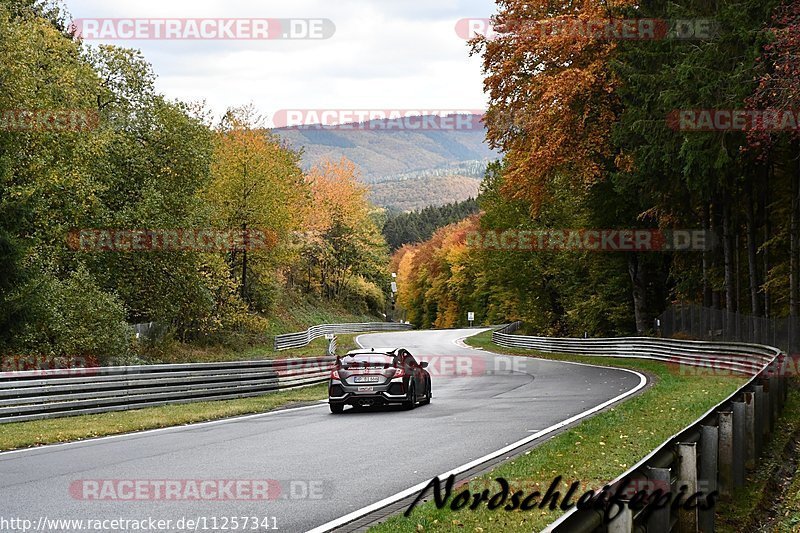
point(600, 132)
point(418, 226)
point(89, 147)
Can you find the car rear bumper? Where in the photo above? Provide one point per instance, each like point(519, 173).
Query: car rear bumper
point(342, 393)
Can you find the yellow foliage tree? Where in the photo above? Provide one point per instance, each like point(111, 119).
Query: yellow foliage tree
point(257, 185)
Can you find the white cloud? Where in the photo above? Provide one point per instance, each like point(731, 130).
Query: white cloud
point(385, 54)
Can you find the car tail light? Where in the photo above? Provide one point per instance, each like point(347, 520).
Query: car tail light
point(399, 373)
point(335, 374)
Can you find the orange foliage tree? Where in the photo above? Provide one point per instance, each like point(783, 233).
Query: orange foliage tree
point(551, 93)
point(340, 246)
point(434, 279)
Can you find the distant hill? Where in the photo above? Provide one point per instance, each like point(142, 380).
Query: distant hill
point(409, 195)
point(407, 169)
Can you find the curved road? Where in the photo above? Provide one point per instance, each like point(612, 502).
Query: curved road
point(328, 465)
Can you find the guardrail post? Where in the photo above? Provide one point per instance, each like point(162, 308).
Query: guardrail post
point(738, 443)
point(687, 475)
point(780, 370)
point(725, 453)
point(749, 430)
point(623, 522)
point(659, 520)
point(785, 378)
point(708, 474)
point(767, 408)
point(758, 426)
point(774, 393)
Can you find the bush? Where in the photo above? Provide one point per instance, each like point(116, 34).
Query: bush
point(216, 314)
point(263, 292)
point(73, 318)
point(364, 297)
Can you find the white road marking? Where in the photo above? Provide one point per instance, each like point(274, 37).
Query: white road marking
point(47, 447)
point(355, 515)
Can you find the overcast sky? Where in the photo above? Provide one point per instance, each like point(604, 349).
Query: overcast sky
point(385, 54)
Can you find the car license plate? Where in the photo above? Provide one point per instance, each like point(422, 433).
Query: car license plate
point(367, 379)
point(366, 389)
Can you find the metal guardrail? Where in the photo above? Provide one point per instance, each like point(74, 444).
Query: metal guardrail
point(302, 338)
point(744, 358)
point(37, 394)
point(712, 454)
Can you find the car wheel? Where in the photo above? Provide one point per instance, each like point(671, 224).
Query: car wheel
point(412, 398)
point(427, 399)
point(336, 408)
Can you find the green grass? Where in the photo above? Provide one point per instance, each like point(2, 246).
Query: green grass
point(773, 488)
point(38, 432)
point(788, 513)
point(594, 452)
point(316, 348)
point(345, 343)
point(295, 313)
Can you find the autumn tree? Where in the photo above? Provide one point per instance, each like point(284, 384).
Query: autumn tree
point(778, 89)
point(257, 185)
point(553, 104)
point(551, 94)
point(341, 239)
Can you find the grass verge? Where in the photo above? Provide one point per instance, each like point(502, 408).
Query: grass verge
point(187, 353)
point(294, 313)
point(594, 452)
point(38, 432)
point(770, 499)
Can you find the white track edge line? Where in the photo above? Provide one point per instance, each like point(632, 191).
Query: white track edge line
point(355, 515)
point(46, 447)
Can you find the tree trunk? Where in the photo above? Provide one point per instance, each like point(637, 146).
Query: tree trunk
point(707, 296)
point(716, 221)
point(728, 251)
point(752, 249)
point(244, 263)
point(244, 275)
point(794, 281)
point(638, 280)
point(767, 229)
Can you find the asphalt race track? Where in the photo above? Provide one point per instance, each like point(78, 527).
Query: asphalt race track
point(328, 465)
